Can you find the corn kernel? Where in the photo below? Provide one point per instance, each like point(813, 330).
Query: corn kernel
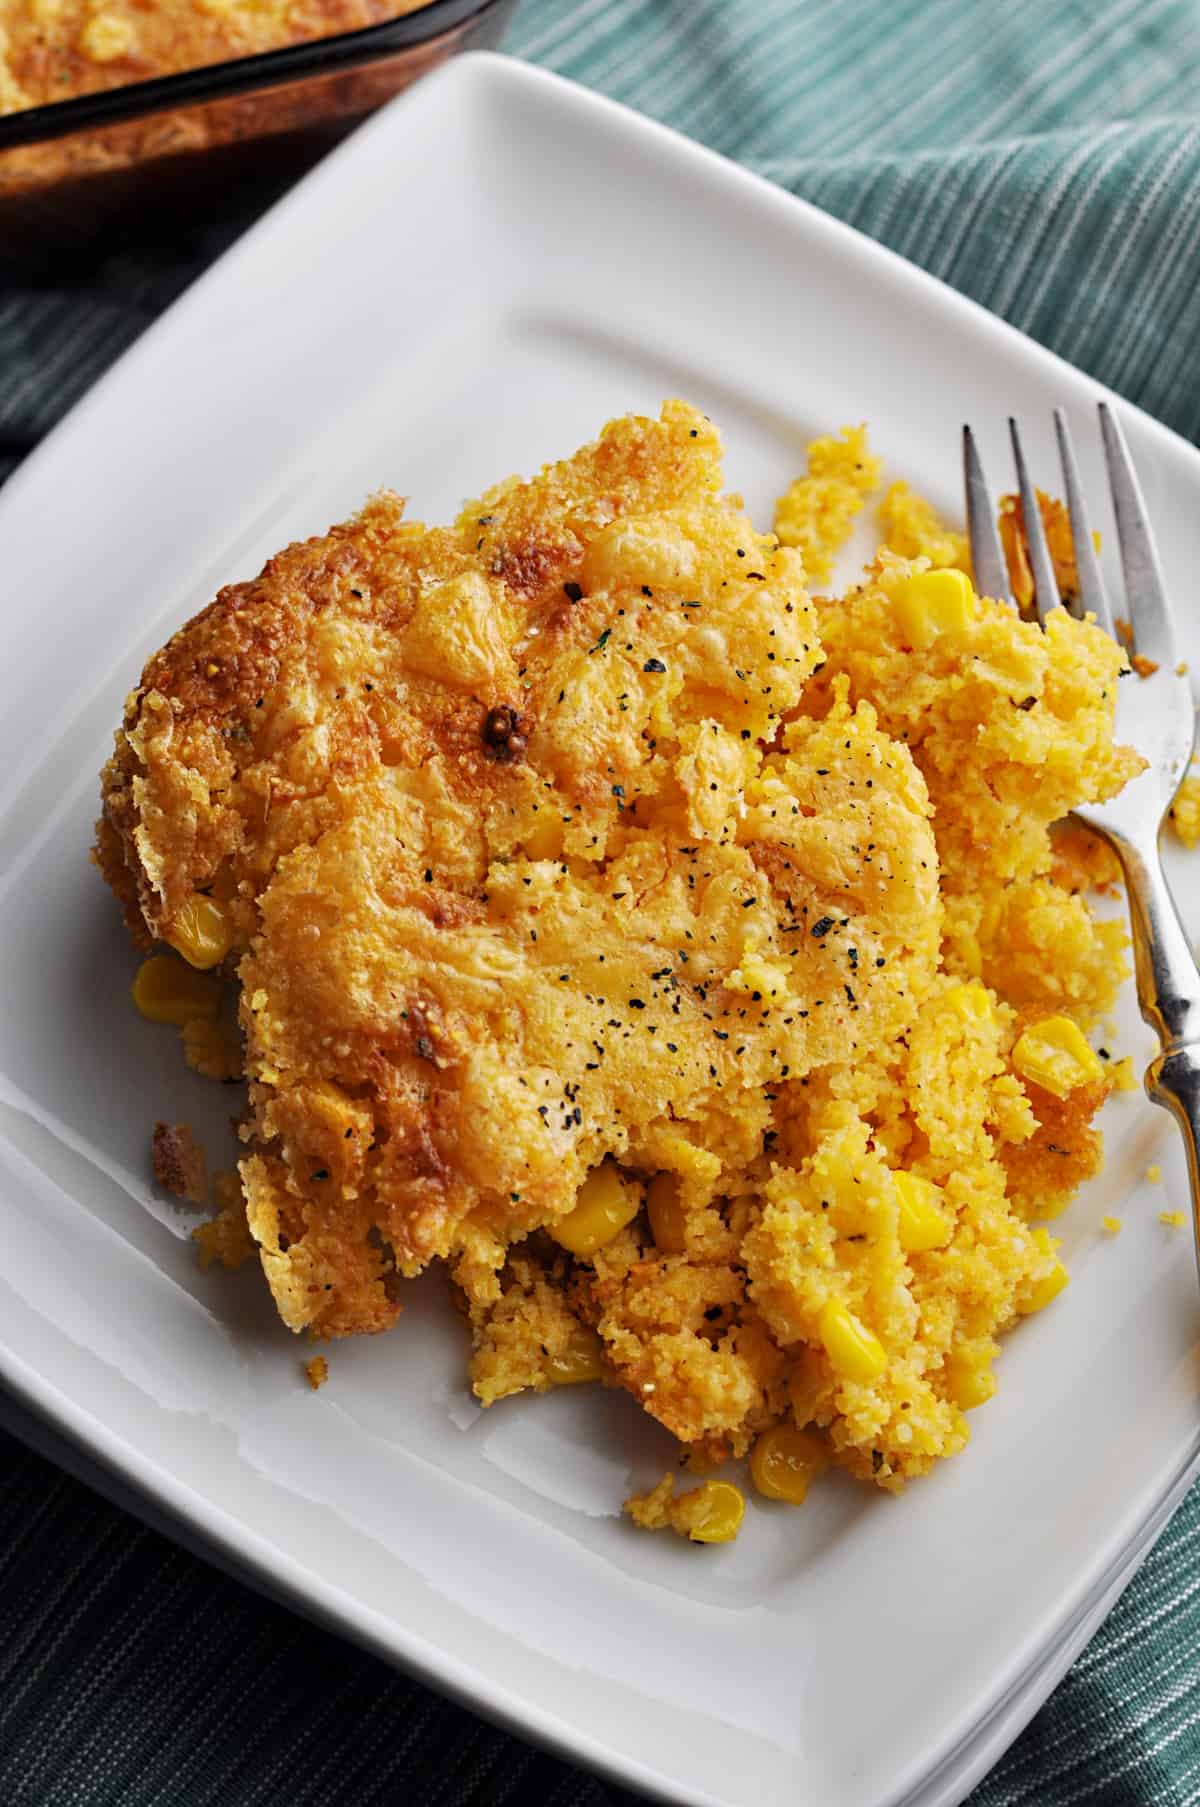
point(969, 1381)
point(1054, 1055)
point(1111, 1226)
point(1153, 1174)
point(668, 1219)
point(970, 1001)
point(1047, 1288)
point(784, 1462)
point(1053, 1280)
point(1174, 1220)
point(201, 932)
point(166, 992)
point(922, 1222)
point(578, 1362)
point(855, 1352)
point(934, 605)
point(713, 1512)
point(605, 1203)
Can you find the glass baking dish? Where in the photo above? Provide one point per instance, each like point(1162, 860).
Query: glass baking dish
point(101, 164)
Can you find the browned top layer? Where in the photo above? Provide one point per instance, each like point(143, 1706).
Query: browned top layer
point(55, 49)
point(521, 865)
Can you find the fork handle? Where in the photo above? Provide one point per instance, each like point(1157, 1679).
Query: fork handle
point(1168, 988)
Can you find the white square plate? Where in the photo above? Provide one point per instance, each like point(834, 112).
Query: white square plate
point(474, 283)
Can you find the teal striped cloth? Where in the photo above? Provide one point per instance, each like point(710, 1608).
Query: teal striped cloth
point(1043, 156)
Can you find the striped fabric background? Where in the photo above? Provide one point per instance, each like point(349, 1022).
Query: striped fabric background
point(1044, 157)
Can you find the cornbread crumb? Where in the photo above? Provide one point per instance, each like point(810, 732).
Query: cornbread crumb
point(316, 1372)
point(178, 1162)
point(1153, 1173)
point(818, 511)
point(912, 527)
point(1081, 860)
point(1056, 525)
point(225, 1238)
point(1184, 813)
point(1174, 1220)
point(528, 1336)
point(710, 1513)
point(1111, 1226)
point(1123, 1077)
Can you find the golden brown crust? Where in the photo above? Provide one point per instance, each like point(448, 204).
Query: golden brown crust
point(53, 50)
point(466, 978)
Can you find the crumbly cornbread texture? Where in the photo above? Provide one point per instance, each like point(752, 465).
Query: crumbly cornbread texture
point(575, 840)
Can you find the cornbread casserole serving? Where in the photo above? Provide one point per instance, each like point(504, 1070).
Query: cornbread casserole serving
point(114, 111)
point(699, 968)
point(52, 50)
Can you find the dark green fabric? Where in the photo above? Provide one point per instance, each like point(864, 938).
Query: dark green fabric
point(1042, 156)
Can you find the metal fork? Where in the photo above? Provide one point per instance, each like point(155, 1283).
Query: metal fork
point(1154, 714)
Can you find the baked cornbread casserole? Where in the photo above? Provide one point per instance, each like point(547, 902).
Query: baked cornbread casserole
point(697, 967)
point(56, 49)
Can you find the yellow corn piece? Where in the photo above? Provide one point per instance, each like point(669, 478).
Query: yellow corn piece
point(201, 932)
point(855, 1352)
point(1053, 1280)
point(934, 605)
point(970, 1001)
point(969, 1381)
point(923, 1224)
point(1153, 1173)
point(166, 992)
point(1174, 1220)
point(1054, 1055)
point(580, 1361)
point(1111, 1226)
point(784, 1462)
point(668, 1220)
point(605, 1203)
point(713, 1512)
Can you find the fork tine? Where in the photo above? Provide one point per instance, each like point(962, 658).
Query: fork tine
point(987, 555)
point(1092, 596)
point(1145, 592)
point(1045, 585)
